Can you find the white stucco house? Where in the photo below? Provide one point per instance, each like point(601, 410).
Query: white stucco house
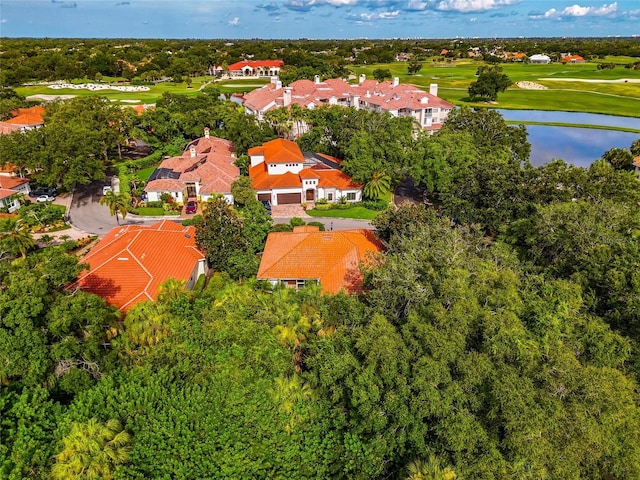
point(282, 174)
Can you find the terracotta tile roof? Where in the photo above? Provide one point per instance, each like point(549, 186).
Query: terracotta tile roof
point(6, 193)
point(28, 116)
point(337, 179)
point(12, 182)
point(261, 180)
point(6, 128)
point(212, 167)
point(308, 254)
point(165, 185)
point(279, 150)
point(636, 161)
point(386, 95)
point(130, 262)
point(255, 64)
point(8, 168)
point(308, 173)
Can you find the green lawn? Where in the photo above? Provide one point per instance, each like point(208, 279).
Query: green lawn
point(576, 87)
point(562, 93)
point(143, 175)
point(355, 212)
point(154, 212)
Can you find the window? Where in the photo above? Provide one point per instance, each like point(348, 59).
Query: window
point(330, 197)
point(351, 196)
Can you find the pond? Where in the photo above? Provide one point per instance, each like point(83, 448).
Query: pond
point(578, 146)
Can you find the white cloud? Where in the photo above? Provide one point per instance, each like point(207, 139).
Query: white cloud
point(382, 15)
point(472, 5)
point(578, 11)
point(234, 22)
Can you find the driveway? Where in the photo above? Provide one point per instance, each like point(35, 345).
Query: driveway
point(86, 213)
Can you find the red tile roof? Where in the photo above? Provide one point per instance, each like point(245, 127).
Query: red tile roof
point(279, 150)
point(6, 193)
point(130, 262)
point(28, 116)
point(212, 167)
point(308, 254)
point(255, 64)
point(12, 182)
point(636, 161)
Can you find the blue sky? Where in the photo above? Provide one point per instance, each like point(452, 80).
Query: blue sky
point(317, 18)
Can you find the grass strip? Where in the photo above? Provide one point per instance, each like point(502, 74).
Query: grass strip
point(574, 125)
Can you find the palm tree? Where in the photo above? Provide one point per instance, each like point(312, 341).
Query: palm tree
point(146, 324)
point(377, 186)
point(92, 450)
point(16, 235)
point(171, 289)
point(429, 470)
point(117, 203)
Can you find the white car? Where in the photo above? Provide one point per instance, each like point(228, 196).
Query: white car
point(105, 189)
point(45, 198)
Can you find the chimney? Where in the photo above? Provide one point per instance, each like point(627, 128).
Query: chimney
point(396, 81)
point(356, 102)
point(316, 79)
point(273, 79)
point(362, 78)
point(206, 132)
point(192, 151)
point(286, 96)
point(433, 89)
point(278, 84)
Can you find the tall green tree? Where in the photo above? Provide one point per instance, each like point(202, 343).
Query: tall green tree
point(490, 82)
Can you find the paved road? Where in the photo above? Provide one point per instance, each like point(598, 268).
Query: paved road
point(334, 223)
point(88, 215)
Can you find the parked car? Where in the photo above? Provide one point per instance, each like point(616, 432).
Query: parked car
point(105, 189)
point(37, 191)
point(45, 198)
point(192, 207)
point(266, 204)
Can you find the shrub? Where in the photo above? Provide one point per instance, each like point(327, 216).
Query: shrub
point(282, 227)
point(377, 205)
point(297, 222)
point(154, 204)
point(320, 225)
point(323, 206)
point(195, 220)
point(321, 201)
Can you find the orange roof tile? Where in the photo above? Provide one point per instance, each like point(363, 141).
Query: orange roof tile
point(6, 193)
point(12, 182)
point(28, 116)
point(281, 150)
point(130, 262)
point(636, 161)
point(337, 179)
point(333, 258)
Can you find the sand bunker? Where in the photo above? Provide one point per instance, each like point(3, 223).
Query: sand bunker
point(618, 80)
point(49, 98)
point(530, 85)
point(95, 87)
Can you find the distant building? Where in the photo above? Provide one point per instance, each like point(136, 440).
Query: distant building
point(256, 68)
point(538, 58)
point(393, 97)
point(11, 187)
point(572, 59)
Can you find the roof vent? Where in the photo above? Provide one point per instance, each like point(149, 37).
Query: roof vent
point(186, 235)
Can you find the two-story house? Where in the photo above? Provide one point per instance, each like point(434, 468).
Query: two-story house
point(282, 174)
point(206, 168)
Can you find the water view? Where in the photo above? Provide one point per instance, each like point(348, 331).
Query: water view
point(578, 146)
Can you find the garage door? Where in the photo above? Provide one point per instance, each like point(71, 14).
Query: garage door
point(264, 196)
point(288, 198)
